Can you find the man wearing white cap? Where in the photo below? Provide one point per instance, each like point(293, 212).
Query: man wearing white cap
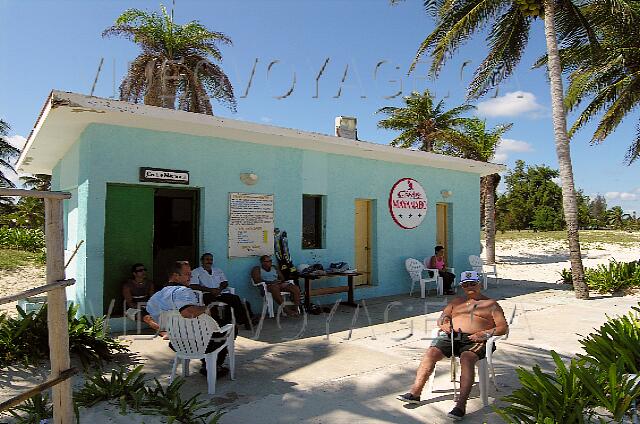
point(473, 319)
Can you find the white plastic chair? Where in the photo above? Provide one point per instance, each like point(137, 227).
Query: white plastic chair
point(511, 320)
point(267, 298)
point(190, 338)
point(479, 266)
point(415, 269)
point(482, 374)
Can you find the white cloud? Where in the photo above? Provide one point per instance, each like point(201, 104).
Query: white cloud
point(622, 195)
point(17, 141)
point(511, 104)
point(509, 145)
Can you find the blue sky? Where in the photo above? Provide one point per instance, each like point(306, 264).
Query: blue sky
point(58, 45)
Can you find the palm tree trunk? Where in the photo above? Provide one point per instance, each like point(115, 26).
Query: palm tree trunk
point(489, 218)
point(569, 201)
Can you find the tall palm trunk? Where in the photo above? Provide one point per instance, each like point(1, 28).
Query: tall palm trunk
point(489, 217)
point(569, 201)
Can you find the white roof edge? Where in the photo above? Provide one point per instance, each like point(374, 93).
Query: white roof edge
point(299, 139)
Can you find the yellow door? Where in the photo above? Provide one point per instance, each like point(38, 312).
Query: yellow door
point(363, 241)
point(442, 228)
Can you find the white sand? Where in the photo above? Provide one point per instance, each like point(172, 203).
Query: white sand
point(18, 280)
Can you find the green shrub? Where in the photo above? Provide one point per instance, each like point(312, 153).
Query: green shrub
point(613, 277)
point(592, 383)
point(565, 276)
point(168, 402)
point(28, 239)
point(618, 339)
point(547, 398)
point(25, 338)
point(127, 387)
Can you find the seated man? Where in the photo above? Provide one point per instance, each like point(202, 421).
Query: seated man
point(475, 318)
point(275, 283)
point(438, 262)
point(213, 283)
point(138, 290)
point(177, 295)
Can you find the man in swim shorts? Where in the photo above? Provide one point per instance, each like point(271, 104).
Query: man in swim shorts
point(473, 319)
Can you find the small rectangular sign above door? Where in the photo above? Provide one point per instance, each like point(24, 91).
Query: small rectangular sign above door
point(167, 176)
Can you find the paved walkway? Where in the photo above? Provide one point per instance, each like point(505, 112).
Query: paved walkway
point(355, 379)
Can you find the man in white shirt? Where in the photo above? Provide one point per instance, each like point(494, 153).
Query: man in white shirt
point(215, 287)
point(177, 295)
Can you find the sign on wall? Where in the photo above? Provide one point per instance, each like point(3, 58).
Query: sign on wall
point(250, 224)
point(407, 203)
point(160, 175)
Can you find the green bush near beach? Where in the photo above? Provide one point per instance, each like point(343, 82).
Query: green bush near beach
point(25, 338)
point(611, 278)
point(29, 239)
point(595, 386)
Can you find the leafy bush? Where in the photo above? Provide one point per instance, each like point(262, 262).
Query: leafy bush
point(593, 382)
point(25, 338)
point(547, 398)
point(169, 403)
point(618, 339)
point(34, 410)
point(610, 278)
point(127, 387)
point(28, 239)
point(613, 277)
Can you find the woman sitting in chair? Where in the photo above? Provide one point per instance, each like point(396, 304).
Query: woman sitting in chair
point(438, 262)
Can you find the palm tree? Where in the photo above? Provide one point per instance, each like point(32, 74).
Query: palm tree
point(41, 182)
point(480, 144)
point(615, 217)
point(508, 36)
point(176, 63)
point(7, 154)
point(422, 122)
point(611, 76)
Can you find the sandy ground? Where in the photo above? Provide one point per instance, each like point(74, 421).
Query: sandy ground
point(355, 379)
point(16, 281)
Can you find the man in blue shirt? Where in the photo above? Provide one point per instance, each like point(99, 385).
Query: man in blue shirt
point(177, 295)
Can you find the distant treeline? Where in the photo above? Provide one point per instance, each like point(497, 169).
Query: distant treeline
point(533, 201)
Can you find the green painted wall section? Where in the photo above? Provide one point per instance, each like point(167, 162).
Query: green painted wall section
point(112, 154)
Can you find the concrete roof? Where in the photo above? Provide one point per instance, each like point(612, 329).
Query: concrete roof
point(65, 115)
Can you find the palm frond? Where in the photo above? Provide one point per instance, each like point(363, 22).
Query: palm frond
point(634, 150)
point(507, 41)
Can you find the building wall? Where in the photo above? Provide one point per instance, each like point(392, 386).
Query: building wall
point(112, 154)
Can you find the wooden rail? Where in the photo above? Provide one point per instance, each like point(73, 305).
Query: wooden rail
point(16, 400)
point(37, 290)
point(35, 193)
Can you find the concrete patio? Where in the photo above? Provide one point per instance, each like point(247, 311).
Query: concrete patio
point(355, 379)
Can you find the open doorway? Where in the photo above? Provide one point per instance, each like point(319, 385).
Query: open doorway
point(150, 225)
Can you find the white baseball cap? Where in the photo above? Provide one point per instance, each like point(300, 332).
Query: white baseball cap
point(469, 276)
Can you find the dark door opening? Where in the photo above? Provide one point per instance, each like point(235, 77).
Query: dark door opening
point(153, 226)
point(175, 230)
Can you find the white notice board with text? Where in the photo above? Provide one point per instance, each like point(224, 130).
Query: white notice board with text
point(250, 224)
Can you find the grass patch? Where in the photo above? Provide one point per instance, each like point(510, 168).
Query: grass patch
point(11, 259)
point(586, 236)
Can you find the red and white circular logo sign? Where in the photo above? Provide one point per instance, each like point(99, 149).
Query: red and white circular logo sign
point(407, 203)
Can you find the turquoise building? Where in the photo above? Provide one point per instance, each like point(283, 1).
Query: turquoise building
point(154, 185)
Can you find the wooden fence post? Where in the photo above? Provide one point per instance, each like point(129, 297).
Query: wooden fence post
point(57, 312)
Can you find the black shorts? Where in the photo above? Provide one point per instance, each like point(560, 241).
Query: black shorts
point(461, 343)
